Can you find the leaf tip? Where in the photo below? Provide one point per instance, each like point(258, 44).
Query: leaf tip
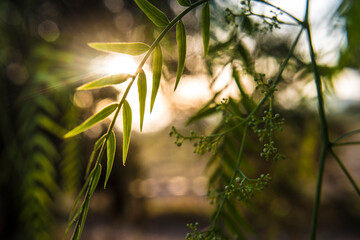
point(67, 135)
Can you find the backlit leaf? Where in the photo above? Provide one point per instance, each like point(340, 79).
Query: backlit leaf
point(133, 49)
point(98, 117)
point(142, 89)
point(181, 42)
point(127, 121)
point(97, 146)
point(111, 149)
point(83, 217)
point(184, 3)
point(157, 67)
point(205, 26)
point(99, 142)
point(95, 180)
point(153, 13)
point(106, 81)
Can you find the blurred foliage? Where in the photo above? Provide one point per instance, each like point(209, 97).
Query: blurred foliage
point(36, 107)
point(350, 10)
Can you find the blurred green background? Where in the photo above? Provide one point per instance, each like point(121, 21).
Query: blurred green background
point(44, 56)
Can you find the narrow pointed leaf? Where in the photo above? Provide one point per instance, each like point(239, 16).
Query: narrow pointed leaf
point(153, 13)
point(184, 3)
point(133, 49)
point(98, 117)
point(157, 67)
point(95, 180)
point(205, 26)
point(81, 221)
point(106, 81)
point(99, 142)
point(111, 149)
point(181, 42)
point(142, 89)
point(127, 121)
point(97, 146)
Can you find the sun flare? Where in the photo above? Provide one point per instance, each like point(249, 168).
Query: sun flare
point(117, 63)
point(114, 64)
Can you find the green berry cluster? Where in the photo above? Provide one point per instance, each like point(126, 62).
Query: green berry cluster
point(226, 111)
point(206, 144)
point(265, 128)
point(244, 189)
point(264, 85)
point(196, 235)
point(213, 195)
point(202, 145)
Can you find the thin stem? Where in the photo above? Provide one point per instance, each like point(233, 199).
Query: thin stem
point(278, 77)
point(239, 160)
point(348, 175)
point(324, 128)
point(279, 9)
point(346, 143)
point(267, 17)
point(346, 135)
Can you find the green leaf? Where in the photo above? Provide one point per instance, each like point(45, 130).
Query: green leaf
point(202, 113)
point(231, 223)
point(208, 109)
point(205, 26)
point(127, 121)
point(97, 146)
point(181, 42)
point(153, 13)
point(105, 81)
point(99, 142)
point(133, 49)
point(157, 67)
point(98, 117)
point(95, 180)
point(184, 3)
point(75, 214)
point(111, 149)
point(83, 217)
point(142, 89)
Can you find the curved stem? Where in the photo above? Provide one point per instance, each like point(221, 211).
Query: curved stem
point(348, 175)
point(346, 135)
point(345, 143)
point(279, 9)
point(239, 160)
point(278, 77)
point(111, 126)
point(324, 128)
point(145, 58)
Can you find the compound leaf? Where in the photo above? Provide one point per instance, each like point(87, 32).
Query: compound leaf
point(205, 26)
point(153, 13)
point(127, 121)
point(142, 89)
point(157, 67)
point(105, 81)
point(98, 117)
point(111, 149)
point(181, 42)
point(133, 49)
